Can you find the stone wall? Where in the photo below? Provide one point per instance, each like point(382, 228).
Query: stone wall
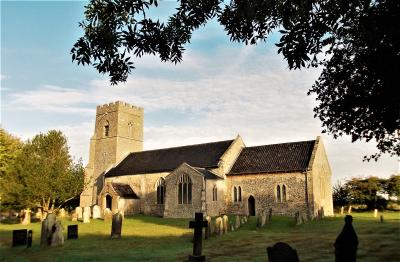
point(215, 208)
point(263, 188)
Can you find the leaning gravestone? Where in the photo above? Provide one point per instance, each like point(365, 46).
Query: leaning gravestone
point(27, 217)
point(86, 215)
point(225, 223)
point(72, 232)
point(346, 243)
point(116, 225)
point(96, 212)
point(237, 222)
point(78, 211)
point(208, 228)
point(282, 252)
point(219, 228)
point(47, 229)
point(20, 237)
point(107, 215)
point(57, 236)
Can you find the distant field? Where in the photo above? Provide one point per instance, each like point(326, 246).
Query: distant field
point(156, 239)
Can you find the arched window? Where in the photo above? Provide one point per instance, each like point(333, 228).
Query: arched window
point(160, 190)
point(283, 193)
point(240, 194)
point(278, 193)
point(235, 194)
point(106, 130)
point(130, 129)
point(215, 194)
point(185, 190)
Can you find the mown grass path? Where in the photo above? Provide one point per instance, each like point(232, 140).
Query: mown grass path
point(147, 238)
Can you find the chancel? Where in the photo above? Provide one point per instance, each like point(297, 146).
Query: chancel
point(216, 178)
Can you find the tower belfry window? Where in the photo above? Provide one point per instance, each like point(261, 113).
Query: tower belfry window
point(107, 128)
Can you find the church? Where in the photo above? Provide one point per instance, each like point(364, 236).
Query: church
point(222, 177)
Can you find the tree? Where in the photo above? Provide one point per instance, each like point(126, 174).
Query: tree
point(367, 191)
point(357, 42)
point(340, 195)
point(10, 147)
point(44, 174)
point(393, 186)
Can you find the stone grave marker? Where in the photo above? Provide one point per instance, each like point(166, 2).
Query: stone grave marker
point(237, 222)
point(78, 211)
point(298, 218)
point(269, 215)
point(198, 224)
point(219, 230)
point(47, 229)
point(349, 210)
point(342, 210)
point(39, 214)
point(96, 213)
point(263, 218)
point(20, 237)
point(346, 243)
point(72, 232)
point(116, 225)
point(57, 236)
point(282, 252)
point(29, 241)
point(208, 228)
point(381, 218)
point(27, 217)
point(86, 215)
point(375, 212)
point(61, 213)
point(107, 215)
point(74, 217)
point(225, 223)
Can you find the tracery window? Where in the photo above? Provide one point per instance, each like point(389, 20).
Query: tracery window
point(160, 190)
point(185, 190)
point(215, 194)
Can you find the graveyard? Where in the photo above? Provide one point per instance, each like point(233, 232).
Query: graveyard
point(147, 238)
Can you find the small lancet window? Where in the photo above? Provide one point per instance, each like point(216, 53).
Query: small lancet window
point(235, 194)
point(185, 190)
point(278, 193)
point(215, 194)
point(240, 194)
point(283, 193)
point(160, 191)
point(130, 129)
point(106, 128)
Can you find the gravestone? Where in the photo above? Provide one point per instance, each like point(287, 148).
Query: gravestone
point(72, 232)
point(245, 219)
point(263, 218)
point(346, 243)
point(29, 241)
point(116, 225)
point(57, 236)
point(74, 217)
point(297, 218)
point(197, 225)
point(225, 223)
point(219, 228)
point(207, 230)
point(342, 210)
point(86, 215)
point(232, 226)
point(242, 220)
point(78, 211)
point(107, 215)
point(237, 222)
point(381, 218)
point(349, 210)
point(375, 212)
point(27, 217)
point(61, 213)
point(96, 212)
point(282, 252)
point(47, 229)
point(39, 214)
point(269, 215)
point(20, 237)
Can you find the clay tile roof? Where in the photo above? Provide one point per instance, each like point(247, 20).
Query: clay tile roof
point(287, 157)
point(124, 190)
point(207, 173)
point(167, 159)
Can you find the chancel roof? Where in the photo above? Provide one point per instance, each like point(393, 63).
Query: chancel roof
point(124, 190)
point(287, 157)
point(167, 159)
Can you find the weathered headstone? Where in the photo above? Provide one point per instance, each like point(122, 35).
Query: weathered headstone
point(86, 215)
point(78, 211)
point(245, 219)
point(197, 225)
point(29, 240)
point(96, 212)
point(61, 213)
point(107, 215)
point(297, 218)
point(27, 217)
point(225, 223)
point(219, 228)
point(381, 218)
point(116, 225)
point(349, 210)
point(207, 230)
point(237, 222)
point(342, 210)
point(232, 226)
point(263, 218)
point(20, 237)
point(74, 217)
point(72, 232)
point(39, 214)
point(346, 243)
point(47, 229)
point(57, 236)
point(282, 252)
point(375, 212)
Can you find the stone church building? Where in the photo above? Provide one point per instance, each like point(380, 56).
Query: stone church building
point(223, 177)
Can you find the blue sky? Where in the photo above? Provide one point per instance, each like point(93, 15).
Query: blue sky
point(220, 90)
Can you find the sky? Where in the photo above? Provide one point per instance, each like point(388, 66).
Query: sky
point(220, 90)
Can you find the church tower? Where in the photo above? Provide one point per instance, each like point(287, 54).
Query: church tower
point(118, 132)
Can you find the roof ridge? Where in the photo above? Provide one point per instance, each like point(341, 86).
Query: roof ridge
point(286, 143)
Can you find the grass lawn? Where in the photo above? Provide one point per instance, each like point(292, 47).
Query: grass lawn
point(147, 238)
